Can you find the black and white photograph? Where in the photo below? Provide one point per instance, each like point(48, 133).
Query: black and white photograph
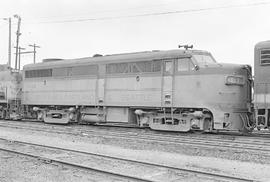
point(134, 91)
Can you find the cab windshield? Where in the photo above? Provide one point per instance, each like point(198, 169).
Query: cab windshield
point(204, 60)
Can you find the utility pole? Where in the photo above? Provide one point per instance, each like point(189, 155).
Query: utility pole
point(17, 40)
point(20, 53)
point(9, 41)
point(19, 56)
point(35, 46)
point(19, 65)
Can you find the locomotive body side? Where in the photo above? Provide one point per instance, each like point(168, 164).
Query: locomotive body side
point(174, 90)
point(262, 84)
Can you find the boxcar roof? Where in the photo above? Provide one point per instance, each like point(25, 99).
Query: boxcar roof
point(126, 57)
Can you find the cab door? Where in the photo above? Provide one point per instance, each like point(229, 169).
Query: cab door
point(167, 83)
point(100, 90)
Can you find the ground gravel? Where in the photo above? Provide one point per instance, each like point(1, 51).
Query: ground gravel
point(18, 168)
point(224, 153)
point(238, 163)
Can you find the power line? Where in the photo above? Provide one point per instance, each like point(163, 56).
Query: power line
point(112, 10)
point(3, 26)
point(157, 13)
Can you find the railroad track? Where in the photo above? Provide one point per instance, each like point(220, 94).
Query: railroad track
point(124, 168)
point(257, 145)
point(137, 130)
point(259, 136)
point(145, 132)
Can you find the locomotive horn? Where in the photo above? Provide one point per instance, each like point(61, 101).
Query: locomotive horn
point(186, 46)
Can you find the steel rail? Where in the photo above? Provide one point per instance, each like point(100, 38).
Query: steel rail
point(220, 176)
point(189, 141)
point(77, 166)
point(201, 143)
point(241, 140)
point(221, 135)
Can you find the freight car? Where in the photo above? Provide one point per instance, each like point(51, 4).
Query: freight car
point(10, 93)
point(262, 84)
point(174, 90)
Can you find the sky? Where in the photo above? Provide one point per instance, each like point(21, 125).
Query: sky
point(228, 29)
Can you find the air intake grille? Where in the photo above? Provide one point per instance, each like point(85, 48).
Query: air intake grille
point(265, 56)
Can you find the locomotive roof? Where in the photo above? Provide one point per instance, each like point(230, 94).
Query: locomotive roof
point(126, 57)
point(263, 44)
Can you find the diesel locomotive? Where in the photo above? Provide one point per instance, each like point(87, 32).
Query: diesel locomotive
point(10, 93)
point(173, 90)
point(262, 84)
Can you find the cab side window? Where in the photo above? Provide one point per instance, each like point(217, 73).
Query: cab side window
point(184, 64)
point(168, 67)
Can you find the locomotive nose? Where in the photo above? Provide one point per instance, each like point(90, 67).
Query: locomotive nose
point(233, 68)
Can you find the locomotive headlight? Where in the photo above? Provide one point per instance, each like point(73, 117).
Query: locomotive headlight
point(71, 109)
point(35, 109)
point(234, 80)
